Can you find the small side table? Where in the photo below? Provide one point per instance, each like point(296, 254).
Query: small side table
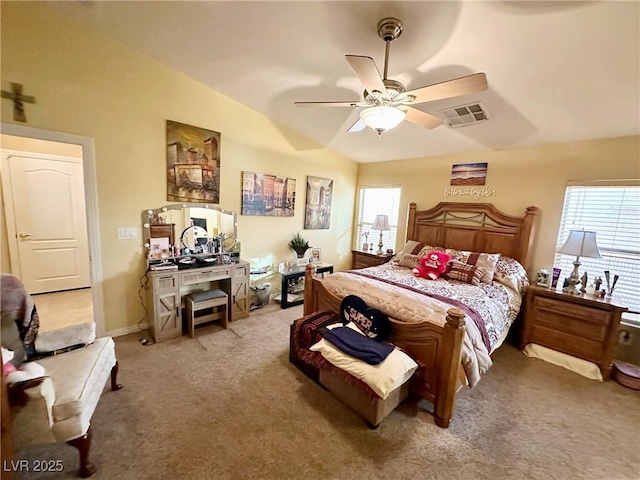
point(364, 259)
point(292, 288)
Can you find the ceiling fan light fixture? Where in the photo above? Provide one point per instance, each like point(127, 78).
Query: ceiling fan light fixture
point(382, 118)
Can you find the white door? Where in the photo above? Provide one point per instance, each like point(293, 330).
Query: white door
point(47, 197)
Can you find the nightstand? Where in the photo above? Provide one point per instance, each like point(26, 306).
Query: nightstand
point(584, 326)
point(364, 259)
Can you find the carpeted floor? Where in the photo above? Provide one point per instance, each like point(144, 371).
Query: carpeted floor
point(229, 405)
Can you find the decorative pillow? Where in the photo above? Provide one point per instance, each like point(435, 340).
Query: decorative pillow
point(465, 273)
point(511, 273)
point(409, 260)
point(413, 248)
point(487, 261)
point(455, 254)
point(372, 322)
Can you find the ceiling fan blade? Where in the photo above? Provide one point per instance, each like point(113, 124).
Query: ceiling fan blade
point(451, 88)
point(330, 104)
point(358, 126)
point(423, 119)
point(366, 70)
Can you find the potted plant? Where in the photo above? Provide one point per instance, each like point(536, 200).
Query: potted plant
point(299, 245)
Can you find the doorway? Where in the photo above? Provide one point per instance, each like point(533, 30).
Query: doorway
point(91, 226)
point(45, 216)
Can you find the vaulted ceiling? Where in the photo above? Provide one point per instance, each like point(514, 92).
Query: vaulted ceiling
point(557, 71)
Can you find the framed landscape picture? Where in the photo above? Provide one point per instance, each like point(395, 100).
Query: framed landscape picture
point(270, 195)
point(317, 209)
point(464, 174)
point(193, 164)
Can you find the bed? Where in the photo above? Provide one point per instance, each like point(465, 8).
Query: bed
point(438, 322)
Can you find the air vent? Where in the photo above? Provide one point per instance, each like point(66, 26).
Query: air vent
point(465, 115)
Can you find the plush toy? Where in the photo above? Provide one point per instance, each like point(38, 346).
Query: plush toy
point(27, 370)
point(432, 265)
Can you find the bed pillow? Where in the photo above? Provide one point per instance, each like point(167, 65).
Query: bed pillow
point(409, 260)
point(511, 273)
point(487, 261)
point(383, 378)
point(414, 248)
point(464, 272)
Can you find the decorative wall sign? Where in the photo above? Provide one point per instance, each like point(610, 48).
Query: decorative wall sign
point(264, 194)
point(193, 164)
point(475, 193)
point(317, 209)
point(465, 174)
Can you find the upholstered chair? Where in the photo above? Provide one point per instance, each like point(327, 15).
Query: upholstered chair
point(59, 405)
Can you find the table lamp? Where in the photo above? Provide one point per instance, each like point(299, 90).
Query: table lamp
point(381, 223)
point(581, 244)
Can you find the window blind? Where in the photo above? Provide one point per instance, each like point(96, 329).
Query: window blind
point(374, 201)
point(613, 212)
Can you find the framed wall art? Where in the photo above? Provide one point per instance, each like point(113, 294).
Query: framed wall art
point(469, 174)
point(193, 164)
point(317, 209)
point(270, 195)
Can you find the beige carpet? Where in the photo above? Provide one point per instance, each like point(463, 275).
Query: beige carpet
point(62, 309)
point(229, 405)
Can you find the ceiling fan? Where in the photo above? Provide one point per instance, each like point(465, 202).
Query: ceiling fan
point(386, 102)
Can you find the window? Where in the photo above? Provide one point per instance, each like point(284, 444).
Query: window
point(374, 201)
point(613, 212)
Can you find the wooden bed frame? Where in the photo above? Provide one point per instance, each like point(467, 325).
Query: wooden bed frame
point(478, 227)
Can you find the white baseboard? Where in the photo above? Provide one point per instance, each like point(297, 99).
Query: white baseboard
point(119, 332)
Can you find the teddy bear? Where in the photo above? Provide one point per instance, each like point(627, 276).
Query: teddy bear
point(432, 265)
point(27, 370)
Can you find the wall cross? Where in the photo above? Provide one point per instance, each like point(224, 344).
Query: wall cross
point(18, 101)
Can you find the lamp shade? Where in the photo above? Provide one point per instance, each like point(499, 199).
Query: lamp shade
point(381, 223)
point(382, 118)
point(581, 244)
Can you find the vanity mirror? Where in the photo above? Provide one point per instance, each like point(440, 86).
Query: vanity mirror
point(188, 229)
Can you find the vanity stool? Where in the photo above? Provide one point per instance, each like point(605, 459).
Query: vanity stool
point(194, 302)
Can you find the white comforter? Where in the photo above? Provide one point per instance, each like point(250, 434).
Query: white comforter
point(497, 304)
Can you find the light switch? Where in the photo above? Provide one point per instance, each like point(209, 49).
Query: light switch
point(127, 233)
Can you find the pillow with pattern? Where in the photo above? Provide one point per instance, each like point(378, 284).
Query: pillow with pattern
point(487, 261)
point(511, 273)
point(409, 260)
point(464, 272)
point(412, 247)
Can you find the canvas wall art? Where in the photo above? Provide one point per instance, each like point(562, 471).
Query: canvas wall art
point(469, 174)
point(317, 212)
point(271, 195)
point(193, 164)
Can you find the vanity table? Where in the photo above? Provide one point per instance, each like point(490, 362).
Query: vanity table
point(197, 252)
point(168, 287)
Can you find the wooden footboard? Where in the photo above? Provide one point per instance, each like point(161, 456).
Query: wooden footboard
point(437, 350)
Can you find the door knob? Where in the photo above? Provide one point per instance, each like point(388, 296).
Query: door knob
point(25, 235)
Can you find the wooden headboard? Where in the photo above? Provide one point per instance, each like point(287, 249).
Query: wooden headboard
point(478, 227)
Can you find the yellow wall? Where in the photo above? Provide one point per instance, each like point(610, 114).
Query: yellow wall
point(520, 177)
point(86, 84)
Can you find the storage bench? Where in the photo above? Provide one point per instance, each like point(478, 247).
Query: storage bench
point(305, 332)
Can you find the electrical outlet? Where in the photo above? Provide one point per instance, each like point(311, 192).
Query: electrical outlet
point(127, 233)
point(625, 337)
